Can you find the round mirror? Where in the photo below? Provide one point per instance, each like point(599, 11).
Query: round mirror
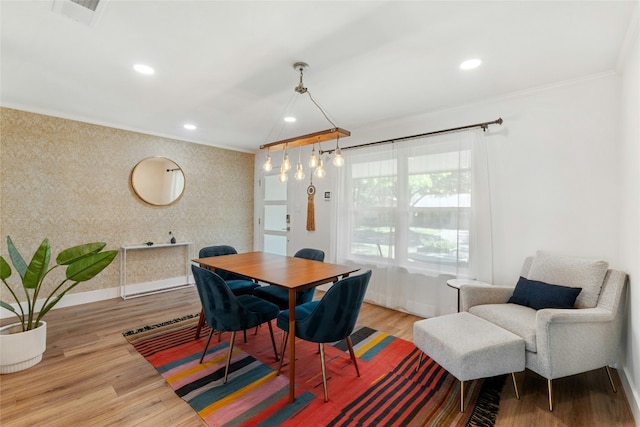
point(158, 181)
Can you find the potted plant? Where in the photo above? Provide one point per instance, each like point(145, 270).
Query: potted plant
point(22, 344)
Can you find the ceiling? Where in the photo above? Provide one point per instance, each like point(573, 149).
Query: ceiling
point(226, 66)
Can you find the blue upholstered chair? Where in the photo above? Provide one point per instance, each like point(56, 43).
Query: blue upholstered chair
point(280, 296)
point(229, 313)
point(239, 285)
point(329, 320)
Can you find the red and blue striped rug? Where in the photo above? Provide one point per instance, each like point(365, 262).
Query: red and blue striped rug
point(389, 391)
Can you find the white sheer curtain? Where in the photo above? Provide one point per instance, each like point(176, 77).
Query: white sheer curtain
point(416, 213)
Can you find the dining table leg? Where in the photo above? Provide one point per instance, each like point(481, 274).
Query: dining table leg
point(292, 345)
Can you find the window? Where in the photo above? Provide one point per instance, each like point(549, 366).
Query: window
point(409, 206)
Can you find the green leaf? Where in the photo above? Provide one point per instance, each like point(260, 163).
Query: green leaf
point(75, 253)
point(38, 266)
point(5, 269)
point(8, 307)
point(86, 268)
point(16, 258)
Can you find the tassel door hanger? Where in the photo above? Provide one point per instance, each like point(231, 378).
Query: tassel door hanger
point(311, 218)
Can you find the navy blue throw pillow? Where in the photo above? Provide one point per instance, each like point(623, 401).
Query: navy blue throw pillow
point(539, 295)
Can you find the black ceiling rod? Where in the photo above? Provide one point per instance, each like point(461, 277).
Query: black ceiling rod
point(484, 126)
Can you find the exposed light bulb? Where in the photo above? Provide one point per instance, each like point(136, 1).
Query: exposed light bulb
point(286, 163)
point(267, 166)
point(338, 160)
point(313, 160)
point(320, 172)
point(283, 177)
point(299, 172)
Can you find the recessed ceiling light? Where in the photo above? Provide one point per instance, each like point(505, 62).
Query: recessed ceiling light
point(190, 126)
point(289, 119)
point(470, 64)
point(144, 69)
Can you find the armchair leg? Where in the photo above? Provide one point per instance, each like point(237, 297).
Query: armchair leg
point(206, 346)
point(324, 373)
point(550, 387)
point(226, 370)
point(353, 355)
point(613, 386)
point(461, 396)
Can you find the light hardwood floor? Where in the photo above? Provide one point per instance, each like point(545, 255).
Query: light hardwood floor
point(91, 376)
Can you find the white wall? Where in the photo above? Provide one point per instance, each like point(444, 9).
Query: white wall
point(554, 172)
point(629, 160)
point(553, 168)
point(555, 176)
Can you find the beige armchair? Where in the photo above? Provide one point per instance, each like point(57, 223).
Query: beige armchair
point(560, 342)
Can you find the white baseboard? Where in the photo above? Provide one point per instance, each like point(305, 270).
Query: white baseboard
point(141, 289)
point(631, 392)
point(135, 290)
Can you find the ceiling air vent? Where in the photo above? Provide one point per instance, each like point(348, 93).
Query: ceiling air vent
point(89, 4)
point(84, 11)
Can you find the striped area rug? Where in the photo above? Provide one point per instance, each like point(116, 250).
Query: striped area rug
point(389, 391)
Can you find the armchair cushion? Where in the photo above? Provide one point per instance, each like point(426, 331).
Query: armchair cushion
point(539, 295)
point(573, 272)
point(515, 318)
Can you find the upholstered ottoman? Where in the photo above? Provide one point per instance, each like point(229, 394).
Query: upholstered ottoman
point(469, 347)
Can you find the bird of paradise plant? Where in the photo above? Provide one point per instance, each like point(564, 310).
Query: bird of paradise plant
point(82, 263)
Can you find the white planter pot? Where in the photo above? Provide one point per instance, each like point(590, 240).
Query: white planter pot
point(21, 350)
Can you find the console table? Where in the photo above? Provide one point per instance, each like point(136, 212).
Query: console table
point(123, 267)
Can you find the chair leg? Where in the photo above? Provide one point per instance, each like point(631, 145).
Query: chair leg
point(324, 373)
point(206, 345)
point(461, 396)
point(226, 371)
point(613, 386)
point(200, 324)
point(273, 341)
point(353, 355)
point(550, 387)
point(515, 385)
point(285, 337)
point(419, 361)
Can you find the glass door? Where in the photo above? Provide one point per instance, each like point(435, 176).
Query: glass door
point(276, 218)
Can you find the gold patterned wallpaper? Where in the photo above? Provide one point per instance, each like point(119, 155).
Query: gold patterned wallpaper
point(70, 181)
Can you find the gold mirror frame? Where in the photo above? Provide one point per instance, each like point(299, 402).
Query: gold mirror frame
point(158, 181)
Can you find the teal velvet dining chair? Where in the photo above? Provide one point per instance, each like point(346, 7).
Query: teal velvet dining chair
point(227, 312)
point(328, 320)
point(239, 285)
point(280, 296)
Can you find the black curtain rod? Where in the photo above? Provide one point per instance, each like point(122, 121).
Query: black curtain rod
point(483, 125)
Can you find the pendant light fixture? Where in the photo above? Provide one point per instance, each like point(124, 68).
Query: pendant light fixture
point(320, 172)
point(338, 160)
point(285, 166)
point(267, 166)
point(299, 175)
point(315, 161)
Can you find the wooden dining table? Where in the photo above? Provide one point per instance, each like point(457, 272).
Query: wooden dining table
point(291, 273)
